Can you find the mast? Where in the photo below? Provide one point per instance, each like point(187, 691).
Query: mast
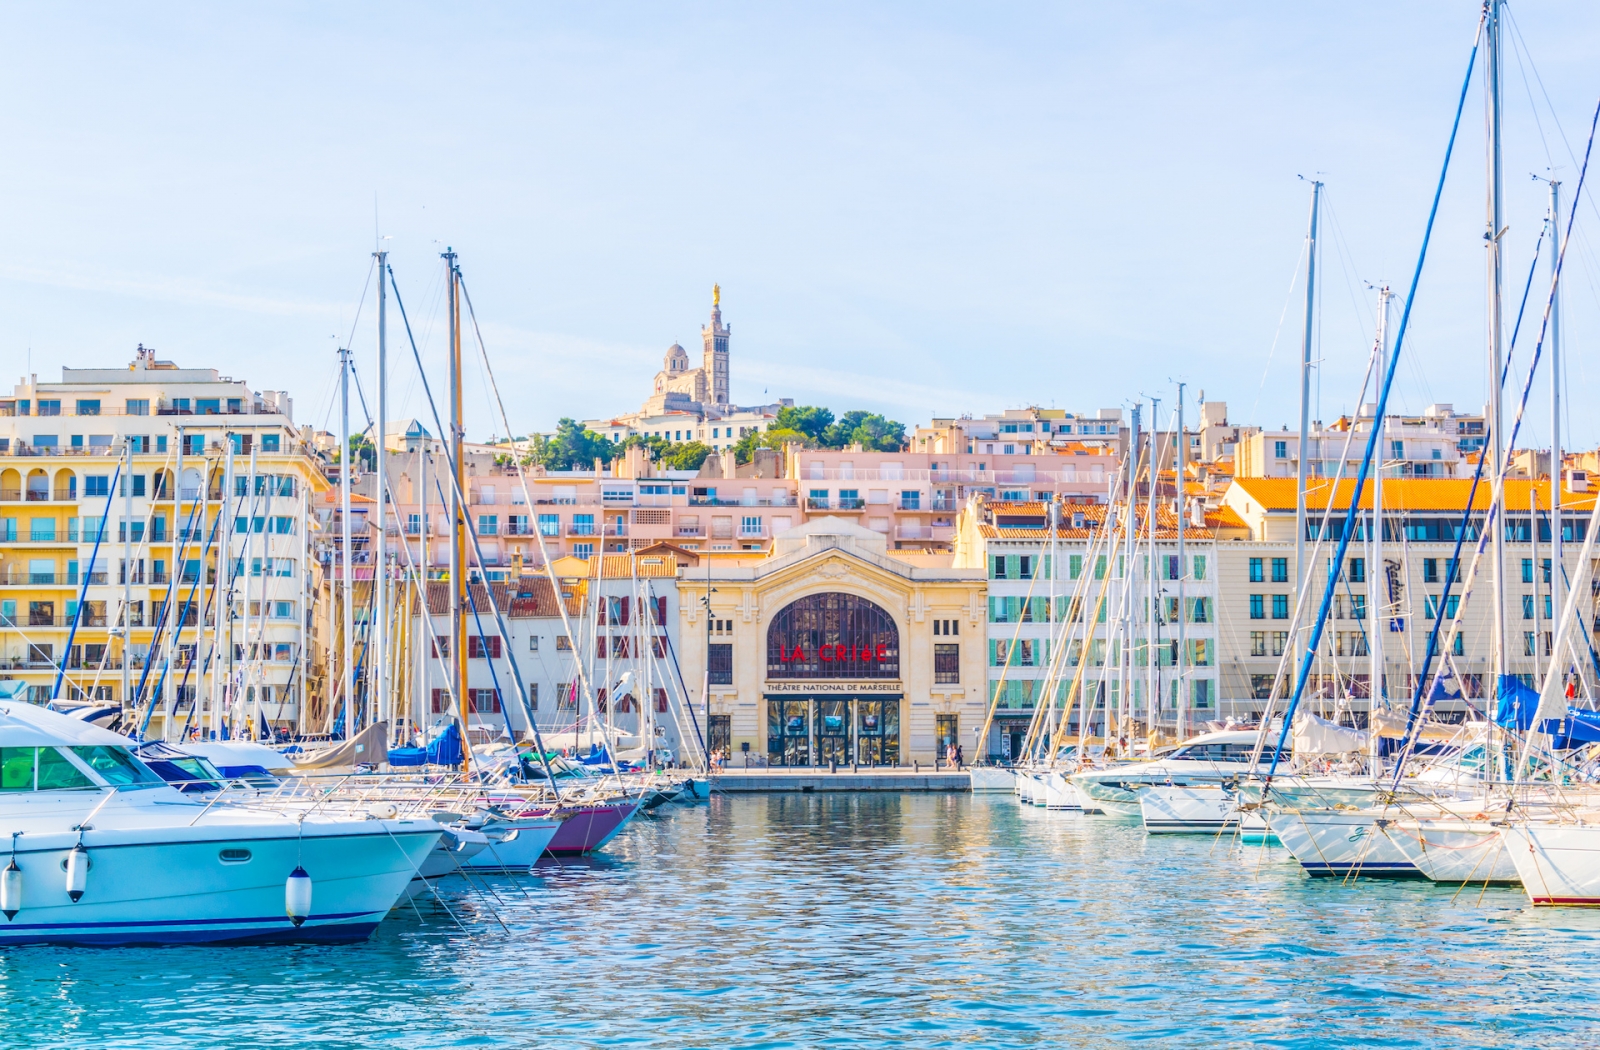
point(1377, 577)
point(458, 512)
point(1305, 395)
point(1557, 598)
point(127, 575)
point(424, 450)
point(1496, 226)
point(1183, 572)
point(347, 613)
point(380, 570)
point(1131, 536)
point(225, 589)
point(1152, 677)
point(174, 588)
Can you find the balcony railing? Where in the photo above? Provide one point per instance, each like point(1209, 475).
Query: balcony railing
point(690, 530)
point(711, 501)
point(582, 530)
point(24, 578)
point(924, 532)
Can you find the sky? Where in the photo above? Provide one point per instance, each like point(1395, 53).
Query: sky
point(920, 209)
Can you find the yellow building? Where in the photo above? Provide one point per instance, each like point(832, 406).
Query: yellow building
point(112, 485)
point(834, 648)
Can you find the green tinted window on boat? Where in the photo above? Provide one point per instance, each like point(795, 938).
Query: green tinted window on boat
point(56, 772)
point(117, 767)
point(16, 768)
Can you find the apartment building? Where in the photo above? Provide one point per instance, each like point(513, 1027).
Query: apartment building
point(1390, 600)
point(1140, 624)
point(1022, 431)
point(130, 500)
point(914, 499)
point(1439, 443)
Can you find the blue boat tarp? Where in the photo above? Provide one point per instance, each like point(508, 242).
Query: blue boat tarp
point(408, 756)
point(1519, 703)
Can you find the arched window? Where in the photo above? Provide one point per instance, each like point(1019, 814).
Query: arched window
point(833, 635)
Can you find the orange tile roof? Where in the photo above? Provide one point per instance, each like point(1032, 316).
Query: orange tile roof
point(1443, 494)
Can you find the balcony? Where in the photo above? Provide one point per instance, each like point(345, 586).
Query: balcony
point(585, 529)
point(711, 501)
point(24, 578)
point(690, 531)
point(927, 533)
point(757, 533)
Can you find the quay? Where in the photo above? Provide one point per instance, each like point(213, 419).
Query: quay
point(754, 781)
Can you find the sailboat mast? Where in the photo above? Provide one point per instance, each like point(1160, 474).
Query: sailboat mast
point(458, 513)
point(1377, 577)
point(380, 569)
point(1496, 226)
point(1305, 395)
point(1183, 699)
point(347, 612)
point(1557, 598)
point(1152, 677)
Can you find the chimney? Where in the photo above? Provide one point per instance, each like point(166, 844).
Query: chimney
point(1197, 514)
point(1577, 481)
point(730, 464)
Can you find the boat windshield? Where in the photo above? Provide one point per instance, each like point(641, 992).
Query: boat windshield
point(117, 766)
point(1220, 752)
point(39, 769)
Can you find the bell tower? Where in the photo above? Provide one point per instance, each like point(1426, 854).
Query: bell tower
point(715, 335)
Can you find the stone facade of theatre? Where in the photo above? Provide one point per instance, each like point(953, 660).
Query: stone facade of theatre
point(832, 648)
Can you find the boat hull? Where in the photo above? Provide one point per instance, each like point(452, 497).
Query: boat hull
point(514, 845)
point(589, 827)
point(1457, 851)
point(991, 778)
point(1330, 843)
point(1559, 864)
point(173, 887)
point(1187, 810)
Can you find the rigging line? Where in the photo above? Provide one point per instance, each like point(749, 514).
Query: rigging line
point(1358, 304)
point(1555, 118)
point(433, 407)
point(1288, 298)
point(1383, 401)
point(1496, 499)
point(1519, 51)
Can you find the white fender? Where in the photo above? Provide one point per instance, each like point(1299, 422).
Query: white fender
point(77, 872)
point(297, 896)
point(11, 890)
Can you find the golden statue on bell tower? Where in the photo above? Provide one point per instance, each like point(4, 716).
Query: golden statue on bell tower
point(716, 295)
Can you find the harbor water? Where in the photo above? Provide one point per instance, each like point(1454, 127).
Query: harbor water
point(859, 920)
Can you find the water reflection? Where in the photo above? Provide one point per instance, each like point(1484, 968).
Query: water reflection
point(857, 919)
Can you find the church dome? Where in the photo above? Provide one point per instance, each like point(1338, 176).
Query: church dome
point(677, 359)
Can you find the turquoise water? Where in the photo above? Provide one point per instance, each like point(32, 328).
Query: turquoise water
point(810, 920)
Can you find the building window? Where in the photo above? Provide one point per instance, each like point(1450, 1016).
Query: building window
point(1258, 607)
point(1280, 642)
point(484, 701)
point(946, 628)
point(1358, 607)
point(721, 665)
point(1257, 570)
point(911, 499)
point(479, 646)
point(1280, 449)
point(946, 664)
point(1280, 570)
point(1527, 607)
point(1430, 570)
point(1258, 643)
point(1358, 570)
point(1280, 606)
point(549, 524)
point(270, 443)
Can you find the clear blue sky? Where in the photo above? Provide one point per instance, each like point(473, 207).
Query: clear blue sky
point(916, 208)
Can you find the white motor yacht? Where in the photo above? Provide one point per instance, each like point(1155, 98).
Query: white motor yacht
point(1206, 760)
point(95, 848)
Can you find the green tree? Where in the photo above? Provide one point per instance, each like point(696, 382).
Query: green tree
point(685, 455)
point(873, 431)
point(573, 446)
point(810, 420)
point(745, 450)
